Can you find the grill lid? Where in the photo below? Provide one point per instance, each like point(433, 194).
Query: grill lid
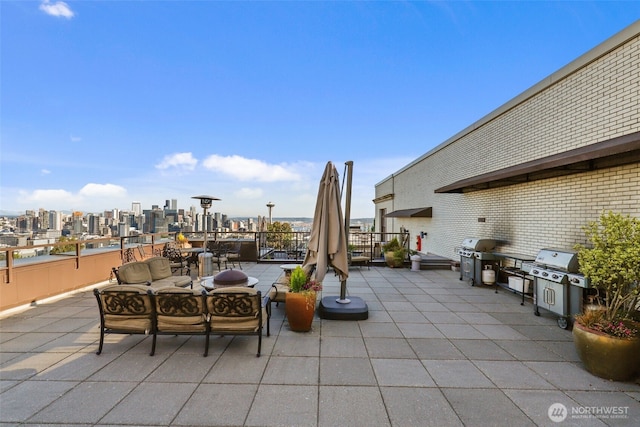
point(478, 245)
point(558, 259)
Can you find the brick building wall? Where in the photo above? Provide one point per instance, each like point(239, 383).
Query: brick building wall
point(593, 99)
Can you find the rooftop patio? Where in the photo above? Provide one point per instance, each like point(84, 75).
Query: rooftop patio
point(434, 351)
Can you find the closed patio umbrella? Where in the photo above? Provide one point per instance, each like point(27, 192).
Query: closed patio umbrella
point(328, 247)
point(327, 243)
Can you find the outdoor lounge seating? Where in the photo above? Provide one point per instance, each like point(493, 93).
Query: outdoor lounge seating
point(219, 254)
point(238, 311)
point(233, 253)
point(359, 260)
point(155, 272)
point(125, 309)
point(179, 312)
point(139, 309)
point(178, 262)
point(279, 290)
point(128, 256)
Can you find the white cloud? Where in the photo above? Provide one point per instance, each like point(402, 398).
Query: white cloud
point(182, 161)
point(45, 171)
point(245, 169)
point(49, 197)
point(249, 193)
point(102, 190)
point(58, 9)
point(91, 198)
point(75, 138)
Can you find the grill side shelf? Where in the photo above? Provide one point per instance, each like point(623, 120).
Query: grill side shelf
point(519, 267)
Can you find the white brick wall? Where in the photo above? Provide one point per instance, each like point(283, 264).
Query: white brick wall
point(595, 102)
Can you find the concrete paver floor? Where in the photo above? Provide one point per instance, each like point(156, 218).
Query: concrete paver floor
point(434, 351)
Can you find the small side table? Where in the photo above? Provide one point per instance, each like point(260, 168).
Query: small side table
point(288, 268)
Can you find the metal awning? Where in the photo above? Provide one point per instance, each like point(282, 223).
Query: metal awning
point(412, 213)
point(605, 154)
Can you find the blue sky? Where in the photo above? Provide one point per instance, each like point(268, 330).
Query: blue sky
point(108, 102)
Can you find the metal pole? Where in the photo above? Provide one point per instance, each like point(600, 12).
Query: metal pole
point(204, 226)
point(347, 220)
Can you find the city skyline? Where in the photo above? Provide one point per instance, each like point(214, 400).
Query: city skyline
point(195, 204)
point(212, 212)
point(247, 101)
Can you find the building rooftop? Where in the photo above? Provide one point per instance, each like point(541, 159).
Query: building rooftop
point(434, 351)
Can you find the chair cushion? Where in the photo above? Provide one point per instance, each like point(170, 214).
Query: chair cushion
point(135, 272)
point(128, 323)
point(226, 324)
point(127, 308)
point(138, 288)
point(180, 281)
point(278, 292)
point(180, 310)
point(240, 324)
point(181, 324)
point(159, 267)
point(235, 312)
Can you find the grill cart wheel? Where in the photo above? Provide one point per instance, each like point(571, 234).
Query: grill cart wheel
point(563, 322)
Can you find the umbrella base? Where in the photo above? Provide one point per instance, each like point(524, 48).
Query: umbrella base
point(329, 308)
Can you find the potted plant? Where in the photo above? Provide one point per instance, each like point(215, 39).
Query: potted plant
point(300, 301)
point(607, 336)
point(394, 253)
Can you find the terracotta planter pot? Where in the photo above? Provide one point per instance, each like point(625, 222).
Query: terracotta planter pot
point(300, 308)
point(605, 356)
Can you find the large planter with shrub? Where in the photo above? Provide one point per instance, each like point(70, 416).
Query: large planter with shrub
point(607, 336)
point(607, 356)
point(394, 253)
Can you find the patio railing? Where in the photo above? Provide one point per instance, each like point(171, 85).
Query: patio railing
point(33, 272)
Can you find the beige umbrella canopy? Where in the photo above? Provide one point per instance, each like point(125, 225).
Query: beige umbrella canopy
point(327, 243)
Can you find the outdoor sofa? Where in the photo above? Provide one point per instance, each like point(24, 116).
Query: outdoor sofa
point(155, 272)
point(140, 309)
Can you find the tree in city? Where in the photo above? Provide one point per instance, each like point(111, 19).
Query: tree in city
point(279, 235)
point(68, 244)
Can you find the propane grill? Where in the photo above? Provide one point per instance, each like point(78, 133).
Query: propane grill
point(474, 257)
point(559, 287)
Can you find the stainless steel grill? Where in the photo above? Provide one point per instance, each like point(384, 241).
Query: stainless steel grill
point(558, 286)
point(475, 255)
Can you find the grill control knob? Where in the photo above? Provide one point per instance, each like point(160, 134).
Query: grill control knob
point(545, 274)
point(535, 271)
point(554, 276)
